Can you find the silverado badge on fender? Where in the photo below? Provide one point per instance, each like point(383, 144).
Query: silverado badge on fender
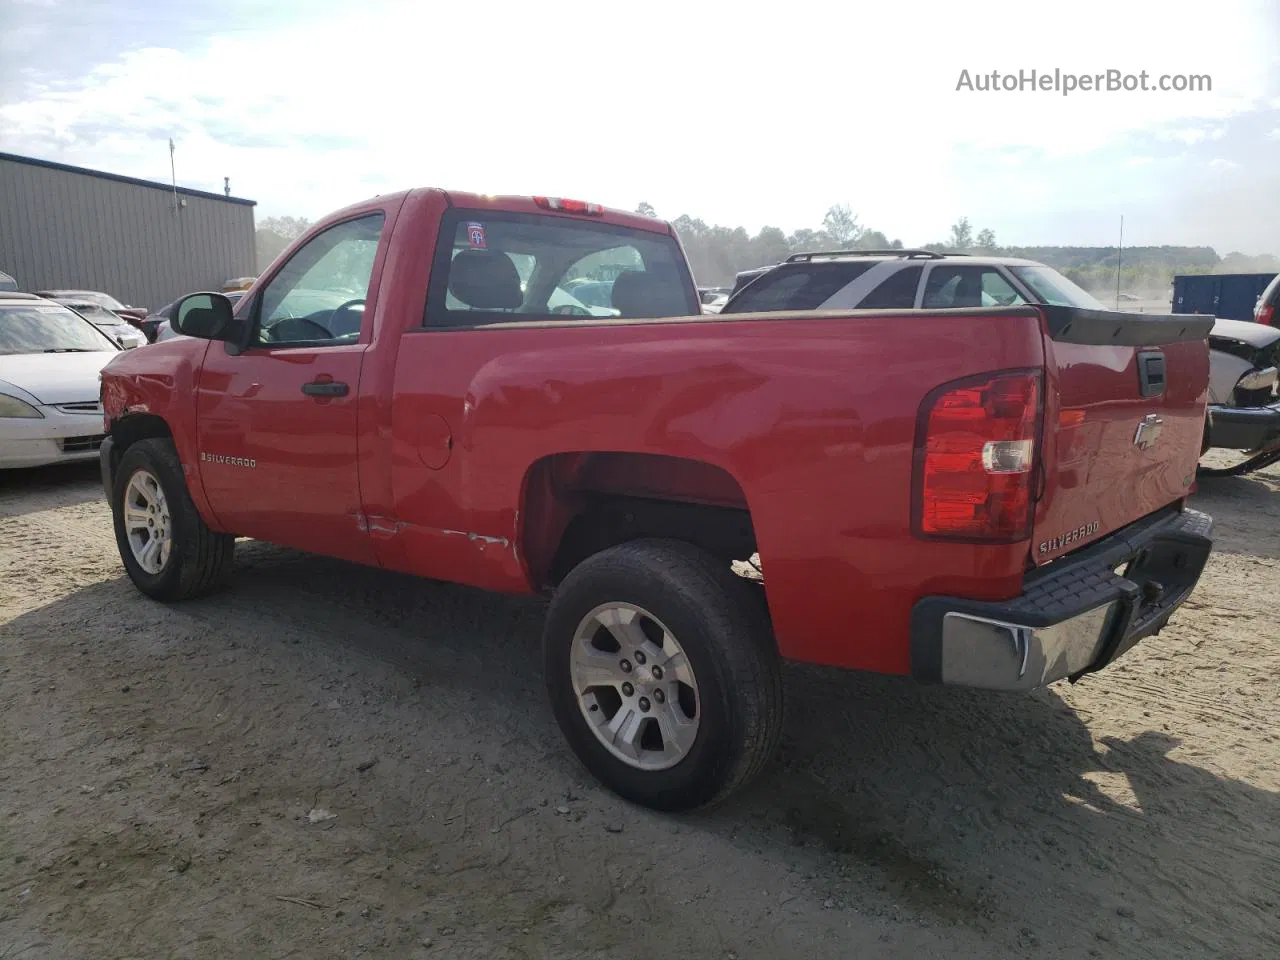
point(1080, 532)
point(230, 461)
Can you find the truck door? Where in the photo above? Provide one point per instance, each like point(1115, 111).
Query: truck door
point(277, 424)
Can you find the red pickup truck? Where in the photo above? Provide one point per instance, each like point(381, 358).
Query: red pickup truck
point(991, 497)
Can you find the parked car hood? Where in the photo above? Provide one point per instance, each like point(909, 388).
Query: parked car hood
point(56, 377)
point(1255, 334)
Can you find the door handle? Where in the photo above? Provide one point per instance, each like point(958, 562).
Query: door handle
point(325, 388)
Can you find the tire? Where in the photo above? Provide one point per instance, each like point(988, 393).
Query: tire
point(722, 629)
point(198, 560)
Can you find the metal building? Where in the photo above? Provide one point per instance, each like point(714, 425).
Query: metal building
point(144, 243)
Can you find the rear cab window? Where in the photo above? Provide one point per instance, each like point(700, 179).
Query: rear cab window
point(497, 267)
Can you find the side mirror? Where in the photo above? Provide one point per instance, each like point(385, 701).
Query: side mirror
point(205, 315)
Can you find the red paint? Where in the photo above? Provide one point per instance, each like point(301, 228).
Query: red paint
point(457, 452)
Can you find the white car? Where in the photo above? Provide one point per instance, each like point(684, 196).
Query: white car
point(49, 363)
point(115, 327)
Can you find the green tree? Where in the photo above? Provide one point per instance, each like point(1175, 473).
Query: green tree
point(961, 235)
point(876, 240)
point(841, 225)
point(645, 209)
point(770, 246)
point(987, 240)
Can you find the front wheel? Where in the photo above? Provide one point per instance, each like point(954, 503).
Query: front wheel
point(663, 674)
point(166, 547)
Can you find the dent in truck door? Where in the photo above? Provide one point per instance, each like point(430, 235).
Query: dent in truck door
point(276, 425)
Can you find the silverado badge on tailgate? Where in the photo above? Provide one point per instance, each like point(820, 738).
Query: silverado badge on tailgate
point(1080, 532)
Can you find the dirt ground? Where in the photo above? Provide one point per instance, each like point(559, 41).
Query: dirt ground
point(329, 761)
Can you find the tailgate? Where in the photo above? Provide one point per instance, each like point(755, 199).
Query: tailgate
point(1123, 422)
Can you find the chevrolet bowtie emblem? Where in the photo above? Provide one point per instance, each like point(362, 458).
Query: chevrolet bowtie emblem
point(1148, 431)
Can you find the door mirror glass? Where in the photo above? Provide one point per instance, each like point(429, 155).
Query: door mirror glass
point(204, 315)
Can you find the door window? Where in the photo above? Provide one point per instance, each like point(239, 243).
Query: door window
point(318, 297)
point(958, 287)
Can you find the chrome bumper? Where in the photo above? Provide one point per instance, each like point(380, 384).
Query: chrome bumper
point(1075, 616)
point(977, 652)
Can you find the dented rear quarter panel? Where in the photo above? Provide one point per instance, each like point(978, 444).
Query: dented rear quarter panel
point(814, 416)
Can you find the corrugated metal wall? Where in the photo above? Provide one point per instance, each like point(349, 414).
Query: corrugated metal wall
point(60, 228)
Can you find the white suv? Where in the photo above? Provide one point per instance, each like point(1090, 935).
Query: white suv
point(902, 280)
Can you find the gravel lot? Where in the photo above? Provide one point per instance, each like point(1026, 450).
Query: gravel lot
point(330, 761)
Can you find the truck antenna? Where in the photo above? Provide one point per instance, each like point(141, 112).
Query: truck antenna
point(1119, 257)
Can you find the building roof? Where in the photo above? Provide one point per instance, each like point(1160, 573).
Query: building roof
point(101, 175)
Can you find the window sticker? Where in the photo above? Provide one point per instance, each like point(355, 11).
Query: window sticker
point(475, 236)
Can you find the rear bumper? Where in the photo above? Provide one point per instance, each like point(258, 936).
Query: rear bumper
point(1075, 616)
point(1245, 428)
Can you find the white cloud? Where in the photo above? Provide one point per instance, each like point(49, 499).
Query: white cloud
point(774, 121)
point(1273, 134)
point(1193, 135)
point(1220, 165)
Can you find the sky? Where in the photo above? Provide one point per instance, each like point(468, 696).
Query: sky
point(739, 117)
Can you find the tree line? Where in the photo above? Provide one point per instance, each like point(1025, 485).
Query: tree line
point(717, 253)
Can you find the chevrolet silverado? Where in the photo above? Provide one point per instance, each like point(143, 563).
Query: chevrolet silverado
point(992, 496)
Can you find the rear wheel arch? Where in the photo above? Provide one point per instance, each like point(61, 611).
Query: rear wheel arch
point(574, 505)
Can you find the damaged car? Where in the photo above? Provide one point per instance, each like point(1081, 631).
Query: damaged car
point(1242, 430)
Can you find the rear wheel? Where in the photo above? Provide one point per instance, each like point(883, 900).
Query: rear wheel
point(662, 673)
point(166, 547)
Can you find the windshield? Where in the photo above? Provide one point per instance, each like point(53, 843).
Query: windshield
point(503, 267)
point(47, 328)
point(1053, 288)
point(86, 296)
point(94, 312)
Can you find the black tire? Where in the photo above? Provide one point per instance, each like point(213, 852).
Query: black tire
point(200, 560)
point(723, 630)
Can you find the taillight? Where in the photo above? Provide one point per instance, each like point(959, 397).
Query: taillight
point(975, 458)
point(1266, 314)
point(569, 206)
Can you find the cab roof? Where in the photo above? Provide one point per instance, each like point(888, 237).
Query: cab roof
point(508, 203)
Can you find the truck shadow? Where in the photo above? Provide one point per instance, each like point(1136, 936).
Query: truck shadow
point(965, 805)
point(972, 803)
